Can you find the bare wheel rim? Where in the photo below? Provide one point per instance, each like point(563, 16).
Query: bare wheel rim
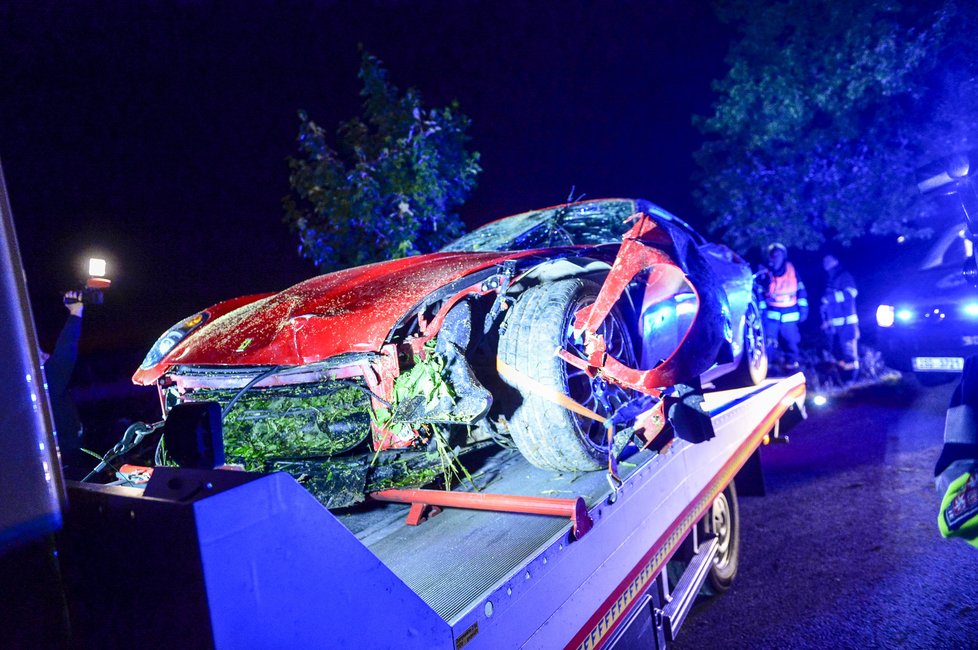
point(596, 394)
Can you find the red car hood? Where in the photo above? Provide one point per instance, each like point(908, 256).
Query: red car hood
point(352, 310)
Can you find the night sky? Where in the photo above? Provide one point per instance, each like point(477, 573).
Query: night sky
point(156, 134)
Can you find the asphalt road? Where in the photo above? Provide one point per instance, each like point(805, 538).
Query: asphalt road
point(844, 551)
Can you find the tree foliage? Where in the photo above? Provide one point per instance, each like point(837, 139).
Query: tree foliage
point(827, 109)
point(390, 188)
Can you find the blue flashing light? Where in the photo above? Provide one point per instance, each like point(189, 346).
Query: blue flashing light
point(971, 309)
point(904, 315)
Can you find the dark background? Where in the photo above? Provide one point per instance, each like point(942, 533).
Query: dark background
point(156, 134)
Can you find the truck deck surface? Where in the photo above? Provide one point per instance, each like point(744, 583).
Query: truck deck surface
point(454, 559)
point(458, 555)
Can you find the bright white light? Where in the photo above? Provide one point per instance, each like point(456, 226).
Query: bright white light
point(96, 267)
point(820, 400)
point(971, 309)
point(901, 239)
point(904, 315)
point(884, 315)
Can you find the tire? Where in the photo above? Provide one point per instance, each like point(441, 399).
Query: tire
point(547, 434)
point(723, 520)
point(752, 369)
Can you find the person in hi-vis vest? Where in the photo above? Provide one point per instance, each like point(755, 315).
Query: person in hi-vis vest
point(785, 305)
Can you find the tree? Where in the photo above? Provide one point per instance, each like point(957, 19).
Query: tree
point(827, 109)
point(391, 187)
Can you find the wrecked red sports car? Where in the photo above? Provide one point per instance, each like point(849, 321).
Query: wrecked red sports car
point(538, 330)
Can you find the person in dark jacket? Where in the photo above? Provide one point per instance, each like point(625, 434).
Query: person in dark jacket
point(840, 324)
point(956, 471)
point(58, 368)
point(785, 305)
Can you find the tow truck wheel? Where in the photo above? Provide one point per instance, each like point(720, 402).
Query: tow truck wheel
point(548, 434)
point(723, 520)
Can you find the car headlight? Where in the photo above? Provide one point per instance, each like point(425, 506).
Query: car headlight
point(904, 315)
point(885, 315)
point(171, 338)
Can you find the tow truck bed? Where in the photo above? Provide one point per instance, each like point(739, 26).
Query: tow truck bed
point(276, 568)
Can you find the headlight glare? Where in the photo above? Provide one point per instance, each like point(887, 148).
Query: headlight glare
point(885, 315)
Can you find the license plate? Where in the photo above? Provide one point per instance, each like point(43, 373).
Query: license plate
point(938, 364)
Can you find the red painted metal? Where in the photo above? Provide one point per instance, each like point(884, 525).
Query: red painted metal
point(666, 279)
point(420, 513)
point(573, 509)
point(348, 311)
point(380, 378)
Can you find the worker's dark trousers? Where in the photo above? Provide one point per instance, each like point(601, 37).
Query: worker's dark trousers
point(776, 331)
point(843, 343)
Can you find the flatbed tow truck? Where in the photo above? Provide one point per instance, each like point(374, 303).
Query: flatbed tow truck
point(233, 560)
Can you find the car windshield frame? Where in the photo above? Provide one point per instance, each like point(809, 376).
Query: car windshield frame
point(588, 223)
point(937, 254)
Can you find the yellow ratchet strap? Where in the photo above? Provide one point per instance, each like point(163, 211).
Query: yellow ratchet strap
point(529, 384)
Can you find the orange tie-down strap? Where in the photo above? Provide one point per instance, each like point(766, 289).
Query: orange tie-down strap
point(653, 422)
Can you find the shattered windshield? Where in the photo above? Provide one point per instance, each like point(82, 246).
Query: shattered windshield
point(590, 223)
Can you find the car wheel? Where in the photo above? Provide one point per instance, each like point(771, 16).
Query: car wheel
point(752, 369)
point(723, 521)
point(549, 435)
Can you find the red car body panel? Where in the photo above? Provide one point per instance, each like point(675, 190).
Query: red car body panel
point(352, 310)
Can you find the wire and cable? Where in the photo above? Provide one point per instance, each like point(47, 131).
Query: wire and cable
point(134, 435)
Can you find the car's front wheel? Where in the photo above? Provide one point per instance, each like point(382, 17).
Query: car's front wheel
point(548, 434)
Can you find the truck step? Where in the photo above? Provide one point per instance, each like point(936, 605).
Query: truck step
point(688, 587)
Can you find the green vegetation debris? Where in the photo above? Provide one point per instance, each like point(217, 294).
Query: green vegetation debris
point(311, 431)
point(305, 420)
